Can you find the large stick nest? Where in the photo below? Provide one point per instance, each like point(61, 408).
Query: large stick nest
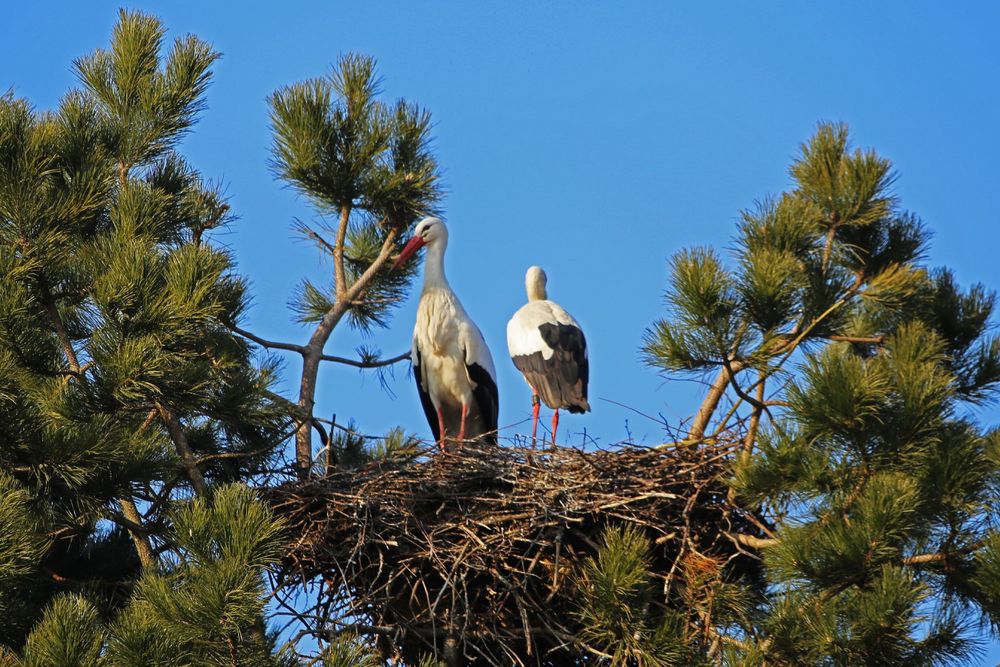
point(475, 556)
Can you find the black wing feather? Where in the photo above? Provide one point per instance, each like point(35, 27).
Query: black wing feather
point(561, 381)
point(425, 397)
point(487, 400)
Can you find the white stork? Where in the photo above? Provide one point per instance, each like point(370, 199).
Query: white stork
point(547, 345)
point(451, 362)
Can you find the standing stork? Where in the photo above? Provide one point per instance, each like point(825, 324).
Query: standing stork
point(548, 347)
point(451, 362)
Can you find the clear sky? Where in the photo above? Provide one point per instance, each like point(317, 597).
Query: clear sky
point(594, 139)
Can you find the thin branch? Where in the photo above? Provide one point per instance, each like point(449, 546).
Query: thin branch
point(269, 344)
point(711, 401)
point(752, 541)
point(751, 436)
point(864, 340)
point(57, 323)
point(183, 448)
point(136, 530)
point(313, 352)
point(360, 363)
point(920, 559)
point(339, 277)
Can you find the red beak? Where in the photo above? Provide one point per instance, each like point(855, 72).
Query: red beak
point(415, 244)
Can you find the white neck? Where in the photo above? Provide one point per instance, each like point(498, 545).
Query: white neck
point(434, 267)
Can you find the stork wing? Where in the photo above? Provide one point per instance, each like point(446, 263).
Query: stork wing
point(479, 366)
point(425, 396)
point(487, 399)
point(561, 379)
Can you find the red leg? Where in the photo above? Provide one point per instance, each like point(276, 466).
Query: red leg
point(535, 405)
point(461, 430)
point(441, 429)
point(555, 425)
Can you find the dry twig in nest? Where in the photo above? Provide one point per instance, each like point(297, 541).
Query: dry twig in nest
point(474, 556)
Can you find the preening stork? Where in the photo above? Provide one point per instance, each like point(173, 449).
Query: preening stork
point(548, 347)
point(452, 365)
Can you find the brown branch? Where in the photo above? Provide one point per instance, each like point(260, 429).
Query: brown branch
point(339, 278)
point(753, 542)
point(183, 448)
point(136, 530)
point(50, 307)
point(828, 245)
point(269, 344)
point(864, 340)
point(711, 401)
point(313, 352)
point(751, 436)
point(375, 363)
point(920, 559)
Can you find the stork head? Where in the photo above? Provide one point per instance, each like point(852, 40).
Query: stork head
point(429, 231)
point(534, 282)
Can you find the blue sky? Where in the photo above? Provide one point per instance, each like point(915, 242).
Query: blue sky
point(594, 139)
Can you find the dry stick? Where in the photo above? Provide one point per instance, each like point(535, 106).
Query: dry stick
point(183, 448)
point(313, 352)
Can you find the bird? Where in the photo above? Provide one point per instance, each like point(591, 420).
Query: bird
point(548, 346)
point(452, 364)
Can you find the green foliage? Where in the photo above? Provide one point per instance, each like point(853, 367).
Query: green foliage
point(621, 618)
point(366, 162)
point(210, 603)
point(206, 608)
point(350, 651)
point(115, 310)
point(147, 102)
point(880, 487)
point(69, 635)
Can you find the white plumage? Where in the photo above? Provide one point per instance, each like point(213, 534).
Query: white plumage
point(548, 346)
point(452, 364)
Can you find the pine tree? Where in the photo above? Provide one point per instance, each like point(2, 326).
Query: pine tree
point(852, 372)
point(123, 388)
point(368, 165)
point(134, 414)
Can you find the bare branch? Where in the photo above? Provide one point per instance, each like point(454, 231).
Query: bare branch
point(183, 448)
point(864, 340)
point(339, 277)
point(711, 401)
point(375, 363)
point(752, 541)
point(313, 352)
point(269, 344)
point(132, 521)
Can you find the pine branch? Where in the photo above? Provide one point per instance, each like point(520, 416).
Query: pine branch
point(361, 363)
point(134, 527)
point(50, 307)
point(861, 340)
point(755, 417)
point(269, 344)
point(711, 401)
point(752, 541)
point(183, 448)
point(338, 254)
point(314, 352)
point(357, 363)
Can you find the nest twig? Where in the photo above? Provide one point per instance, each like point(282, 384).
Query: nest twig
point(474, 556)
